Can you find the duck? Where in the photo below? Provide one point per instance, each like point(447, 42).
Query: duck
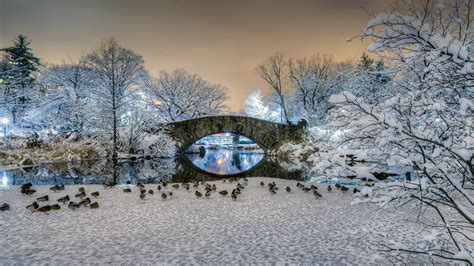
point(262, 184)
point(140, 185)
point(288, 189)
point(185, 186)
point(237, 191)
point(356, 190)
point(43, 198)
point(5, 207)
point(344, 188)
point(33, 207)
point(198, 194)
point(223, 192)
point(54, 188)
point(94, 205)
point(299, 185)
point(45, 208)
point(55, 207)
point(240, 186)
point(306, 189)
point(142, 193)
point(127, 190)
point(64, 199)
point(151, 192)
point(313, 187)
point(208, 194)
point(234, 196)
point(317, 194)
point(175, 186)
point(329, 188)
point(61, 187)
point(73, 205)
point(85, 202)
point(26, 186)
point(337, 185)
point(159, 188)
point(214, 187)
point(164, 196)
point(81, 195)
point(29, 191)
point(163, 184)
point(109, 184)
point(95, 194)
point(196, 184)
point(81, 189)
point(272, 190)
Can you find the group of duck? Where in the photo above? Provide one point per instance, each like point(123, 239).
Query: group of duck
point(166, 194)
point(241, 184)
point(85, 201)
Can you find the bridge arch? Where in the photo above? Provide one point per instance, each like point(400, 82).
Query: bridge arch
point(268, 135)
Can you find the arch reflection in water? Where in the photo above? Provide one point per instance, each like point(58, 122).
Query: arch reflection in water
point(225, 154)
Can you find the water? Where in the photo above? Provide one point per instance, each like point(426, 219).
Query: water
point(214, 165)
point(225, 161)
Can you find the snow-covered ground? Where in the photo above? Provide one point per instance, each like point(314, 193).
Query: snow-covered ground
point(257, 228)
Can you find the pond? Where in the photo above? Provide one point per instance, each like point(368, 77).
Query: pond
point(187, 168)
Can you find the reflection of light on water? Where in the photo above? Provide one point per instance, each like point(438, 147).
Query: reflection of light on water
point(226, 162)
point(4, 180)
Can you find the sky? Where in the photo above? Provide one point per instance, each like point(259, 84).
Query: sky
point(221, 40)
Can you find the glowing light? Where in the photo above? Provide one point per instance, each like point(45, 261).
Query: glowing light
point(5, 120)
point(157, 102)
point(4, 180)
point(220, 161)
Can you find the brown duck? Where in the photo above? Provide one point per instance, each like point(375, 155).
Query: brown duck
point(33, 207)
point(45, 208)
point(81, 195)
point(64, 199)
point(44, 198)
point(95, 194)
point(223, 192)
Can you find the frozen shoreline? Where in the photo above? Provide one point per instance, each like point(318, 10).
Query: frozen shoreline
point(257, 228)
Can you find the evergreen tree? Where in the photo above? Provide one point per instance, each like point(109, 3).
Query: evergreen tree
point(17, 81)
point(22, 62)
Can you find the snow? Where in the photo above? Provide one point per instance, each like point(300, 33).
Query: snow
point(257, 228)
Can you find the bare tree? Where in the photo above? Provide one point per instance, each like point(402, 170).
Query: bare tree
point(180, 95)
point(273, 72)
point(314, 80)
point(116, 71)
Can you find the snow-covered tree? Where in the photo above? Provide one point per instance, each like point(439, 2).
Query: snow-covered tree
point(63, 98)
point(117, 72)
point(255, 106)
point(314, 80)
point(425, 124)
point(180, 95)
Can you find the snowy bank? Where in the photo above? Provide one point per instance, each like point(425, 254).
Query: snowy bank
point(256, 228)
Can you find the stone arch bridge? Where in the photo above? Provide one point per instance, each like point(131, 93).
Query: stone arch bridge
point(268, 135)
